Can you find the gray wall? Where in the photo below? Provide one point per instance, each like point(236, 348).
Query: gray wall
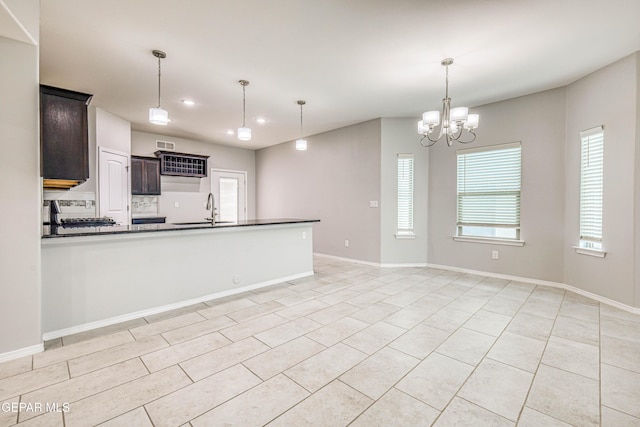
point(607, 97)
point(191, 193)
point(334, 181)
point(637, 187)
point(399, 136)
point(537, 121)
point(20, 323)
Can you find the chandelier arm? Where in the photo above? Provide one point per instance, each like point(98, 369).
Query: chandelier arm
point(471, 140)
point(428, 145)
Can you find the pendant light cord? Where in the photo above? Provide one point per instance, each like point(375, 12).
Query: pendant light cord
point(243, 106)
point(159, 76)
point(300, 121)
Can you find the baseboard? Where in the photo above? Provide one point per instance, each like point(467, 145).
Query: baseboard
point(571, 288)
point(168, 307)
point(21, 352)
point(372, 264)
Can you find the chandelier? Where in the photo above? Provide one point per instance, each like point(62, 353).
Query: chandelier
point(454, 120)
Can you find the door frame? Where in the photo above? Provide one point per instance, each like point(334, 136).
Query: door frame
point(246, 206)
point(101, 150)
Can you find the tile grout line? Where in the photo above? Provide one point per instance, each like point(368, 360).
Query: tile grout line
point(546, 343)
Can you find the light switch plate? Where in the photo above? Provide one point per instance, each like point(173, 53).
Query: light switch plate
point(373, 204)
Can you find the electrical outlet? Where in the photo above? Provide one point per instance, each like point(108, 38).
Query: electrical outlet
point(373, 203)
point(346, 243)
point(304, 235)
point(176, 204)
point(495, 255)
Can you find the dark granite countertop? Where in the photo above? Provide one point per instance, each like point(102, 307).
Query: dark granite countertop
point(53, 232)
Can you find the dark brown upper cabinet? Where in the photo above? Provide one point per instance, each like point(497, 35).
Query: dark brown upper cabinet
point(145, 176)
point(64, 137)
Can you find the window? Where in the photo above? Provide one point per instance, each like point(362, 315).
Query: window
point(405, 196)
point(489, 192)
point(591, 186)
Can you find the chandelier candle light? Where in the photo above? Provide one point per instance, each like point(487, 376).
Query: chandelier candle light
point(454, 120)
point(157, 115)
point(244, 133)
point(301, 144)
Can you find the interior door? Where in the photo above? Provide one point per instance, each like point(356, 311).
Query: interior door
point(229, 190)
point(113, 181)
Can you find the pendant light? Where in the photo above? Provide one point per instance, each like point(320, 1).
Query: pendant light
point(157, 115)
point(301, 144)
point(244, 133)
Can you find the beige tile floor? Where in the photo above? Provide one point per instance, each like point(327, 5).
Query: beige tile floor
point(353, 345)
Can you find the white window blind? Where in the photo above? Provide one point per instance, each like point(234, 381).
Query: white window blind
point(489, 181)
point(405, 193)
point(591, 187)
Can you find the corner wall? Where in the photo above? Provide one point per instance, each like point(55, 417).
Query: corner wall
point(333, 181)
point(607, 97)
point(537, 121)
point(21, 186)
point(399, 136)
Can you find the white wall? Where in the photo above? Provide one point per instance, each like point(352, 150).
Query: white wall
point(399, 136)
point(112, 131)
point(607, 97)
point(20, 186)
point(537, 121)
point(333, 181)
point(191, 193)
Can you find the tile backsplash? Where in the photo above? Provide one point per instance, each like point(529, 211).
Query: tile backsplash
point(144, 206)
point(72, 204)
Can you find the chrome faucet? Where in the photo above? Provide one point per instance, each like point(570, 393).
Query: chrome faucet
point(211, 204)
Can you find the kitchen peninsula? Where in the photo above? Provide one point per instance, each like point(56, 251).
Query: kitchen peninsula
point(97, 276)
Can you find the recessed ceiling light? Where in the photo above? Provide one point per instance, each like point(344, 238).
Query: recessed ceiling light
point(189, 102)
point(229, 132)
point(261, 120)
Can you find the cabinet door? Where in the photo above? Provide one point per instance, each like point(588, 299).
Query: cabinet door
point(137, 186)
point(65, 150)
point(152, 177)
point(64, 134)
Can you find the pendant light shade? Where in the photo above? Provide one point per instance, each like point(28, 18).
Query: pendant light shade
point(301, 144)
point(244, 133)
point(157, 115)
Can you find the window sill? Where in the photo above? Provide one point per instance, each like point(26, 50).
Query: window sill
point(590, 252)
point(489, 240)
point(405, 235)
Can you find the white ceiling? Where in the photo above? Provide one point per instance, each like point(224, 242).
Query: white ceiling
point(351, 60)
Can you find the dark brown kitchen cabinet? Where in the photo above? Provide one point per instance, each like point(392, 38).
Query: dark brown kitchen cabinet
point(64, 137)
point(182, 164)
point(145, 176)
